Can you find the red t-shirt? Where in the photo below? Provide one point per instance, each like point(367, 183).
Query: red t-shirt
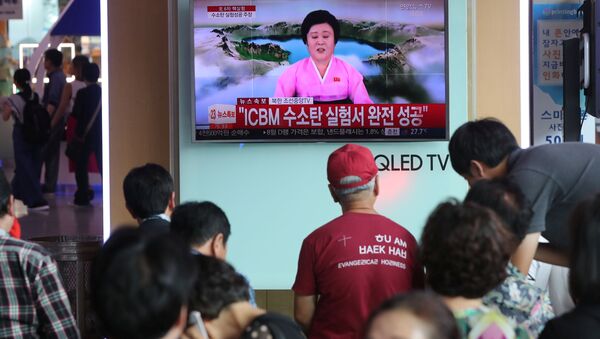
point(354, 263)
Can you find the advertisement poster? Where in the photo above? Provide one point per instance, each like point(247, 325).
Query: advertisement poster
point(255, 78)
point(552, 23)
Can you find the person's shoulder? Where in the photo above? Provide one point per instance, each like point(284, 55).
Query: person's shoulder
point(344, 64)
point(94, 89)
point(155, 226)
point(583, 150)
point(16, 98)
point(58, 76)
point(83, 91)
point(339, 221)
point(532, 160)
point(551, 150)
point(325, 229)
point(302, 63)
point(295, 67)
point(88, 88)
point(88, 91)
point(319, 231)
point(25, 249)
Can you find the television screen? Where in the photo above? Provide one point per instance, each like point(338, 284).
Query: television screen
point(283, 70)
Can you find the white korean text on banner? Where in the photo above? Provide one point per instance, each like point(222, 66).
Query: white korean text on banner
point(552, 23)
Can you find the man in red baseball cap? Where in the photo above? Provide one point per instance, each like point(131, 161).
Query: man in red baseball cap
point(350, 265)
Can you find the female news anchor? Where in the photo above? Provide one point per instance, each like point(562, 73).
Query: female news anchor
point(322, 76)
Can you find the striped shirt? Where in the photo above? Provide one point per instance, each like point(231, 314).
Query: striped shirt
point(33, 302)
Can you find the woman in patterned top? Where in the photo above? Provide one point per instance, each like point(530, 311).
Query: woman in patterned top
point(221, 297)
point(516, 297)
point(465, 249)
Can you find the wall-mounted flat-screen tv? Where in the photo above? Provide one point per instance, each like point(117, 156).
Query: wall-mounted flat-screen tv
point(328, 70)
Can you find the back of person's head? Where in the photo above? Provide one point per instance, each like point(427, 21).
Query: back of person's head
point(147, 190)
point(78, 63)
point(465, 249)
point(416, 313)
point(22, 78)
point(351, 171)
point(320, 17)
point(140, 285)
point(5, 194)
point(54, 56)
point(584, 275)
point(218, 286)
point(504, 197)
point(198, 222)
point(486, 140)
point(90, 72)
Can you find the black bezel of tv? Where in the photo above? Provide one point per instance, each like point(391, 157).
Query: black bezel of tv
point(437, 134)
point(591, 26)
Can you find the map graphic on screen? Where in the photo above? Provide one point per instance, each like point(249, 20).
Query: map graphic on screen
point(362, 70)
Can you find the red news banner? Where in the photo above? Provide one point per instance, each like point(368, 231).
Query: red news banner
point(245, 8)
point(250, 115)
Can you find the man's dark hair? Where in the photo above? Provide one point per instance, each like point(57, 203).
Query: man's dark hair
point(79, 62)
point(320, 17)
point(584, 275)
point(147, 190)
point(465, 249)
point(486, 140)
point(5, 194)
point(218, 286)
point(139, 284)
point(198, 222)
point(505, 198)
point(54, 56)
point(90, 72)
point(427, 307)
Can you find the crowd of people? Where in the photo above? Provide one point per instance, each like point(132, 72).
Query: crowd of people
point(360, 275)
point(37, 136)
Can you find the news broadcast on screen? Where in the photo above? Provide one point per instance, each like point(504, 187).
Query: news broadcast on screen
point(308, 70)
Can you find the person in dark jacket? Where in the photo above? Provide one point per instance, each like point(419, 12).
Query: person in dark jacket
point(149, 197)
point(88, 101)
point(584, 278)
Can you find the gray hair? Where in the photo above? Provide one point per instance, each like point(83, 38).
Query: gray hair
point(350, 194)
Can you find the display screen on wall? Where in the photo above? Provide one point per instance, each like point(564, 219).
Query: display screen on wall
point(381, 76)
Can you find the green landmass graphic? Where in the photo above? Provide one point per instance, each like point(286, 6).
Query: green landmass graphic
point(266, 52)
